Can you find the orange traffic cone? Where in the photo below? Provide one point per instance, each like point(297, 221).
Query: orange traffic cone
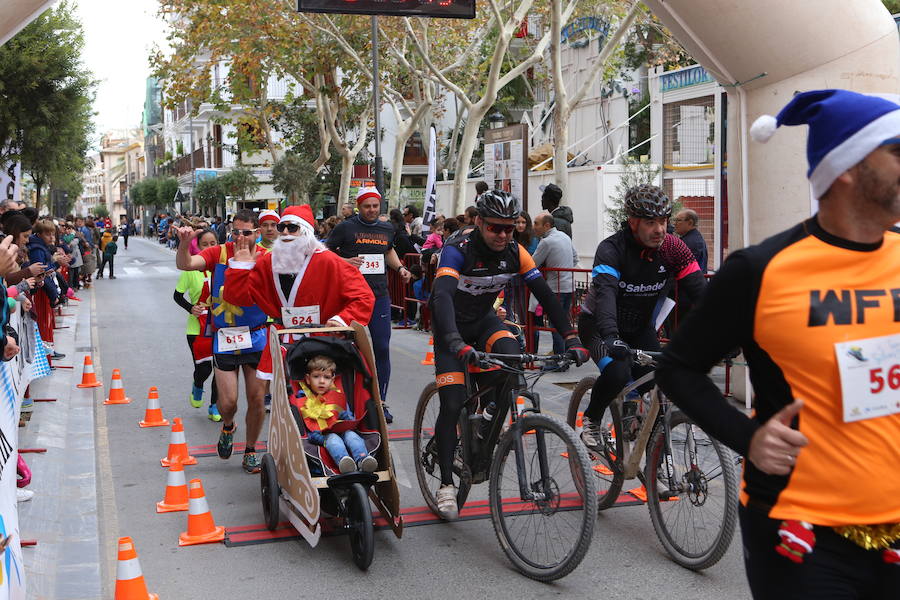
point(153, 416)
point(129, 578)
point(429, 358)
point(88, 378)
point(117, 390)
point(176, 491)
point(178, 451)
point(201, 528)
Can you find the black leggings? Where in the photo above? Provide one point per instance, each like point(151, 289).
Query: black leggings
point(202, 371)
point(837, 569)
point(490, 335)
point(617, 373)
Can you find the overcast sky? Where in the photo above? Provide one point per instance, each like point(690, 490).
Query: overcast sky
point(118, 38)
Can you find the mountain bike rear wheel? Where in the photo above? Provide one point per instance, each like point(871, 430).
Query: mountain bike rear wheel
point(607, 474)
point(428, 470)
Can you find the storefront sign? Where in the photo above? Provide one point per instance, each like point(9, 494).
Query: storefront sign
point(677, 80)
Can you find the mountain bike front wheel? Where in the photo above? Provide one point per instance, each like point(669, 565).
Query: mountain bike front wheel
point(543, 497)
point(692, 492)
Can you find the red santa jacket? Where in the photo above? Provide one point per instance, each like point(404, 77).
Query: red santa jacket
point(336, 287)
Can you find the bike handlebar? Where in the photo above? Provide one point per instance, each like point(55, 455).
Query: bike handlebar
point(525, 358)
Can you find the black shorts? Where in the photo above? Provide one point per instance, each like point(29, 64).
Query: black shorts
point(230, 362)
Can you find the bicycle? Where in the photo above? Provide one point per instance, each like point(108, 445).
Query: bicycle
point(690, 479)
point(543, 505)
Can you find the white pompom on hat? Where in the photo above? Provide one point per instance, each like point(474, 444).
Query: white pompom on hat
point(844, 128)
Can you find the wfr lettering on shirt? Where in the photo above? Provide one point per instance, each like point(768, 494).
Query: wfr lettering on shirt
point(839, 305)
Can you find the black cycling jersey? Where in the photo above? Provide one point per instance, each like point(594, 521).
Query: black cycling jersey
point(629, 279)
point(470, 276)
point(355, 236)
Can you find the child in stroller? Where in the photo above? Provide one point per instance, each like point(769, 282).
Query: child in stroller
point(329, 420)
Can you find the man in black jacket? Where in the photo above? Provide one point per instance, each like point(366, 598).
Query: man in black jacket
point(686, 223)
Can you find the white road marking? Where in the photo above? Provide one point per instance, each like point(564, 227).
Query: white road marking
point(164, 270)
point(132, 271)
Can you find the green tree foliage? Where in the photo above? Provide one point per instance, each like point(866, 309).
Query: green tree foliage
point(100, 211)
point(293, 175)
point(893, 6)
point(144, 192)
point(635, 173)
point(45, 100)
point(209, 192)
point(240, 182)
point(166, 188)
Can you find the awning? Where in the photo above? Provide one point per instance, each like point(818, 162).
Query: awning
point(16, 14)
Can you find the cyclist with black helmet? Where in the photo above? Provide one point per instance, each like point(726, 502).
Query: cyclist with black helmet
point(633, 269)
point(473, 270)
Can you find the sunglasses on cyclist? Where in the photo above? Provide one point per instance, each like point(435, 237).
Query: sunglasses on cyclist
point(498, 228)
point(289, 227)
point(244, 232)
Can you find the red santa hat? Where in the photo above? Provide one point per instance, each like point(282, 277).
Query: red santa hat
point(268, 215)
point(301, 215)
point(366, 193)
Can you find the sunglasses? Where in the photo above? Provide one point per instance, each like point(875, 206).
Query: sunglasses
point(244, 232)
point(498, 229)
point(289, 227)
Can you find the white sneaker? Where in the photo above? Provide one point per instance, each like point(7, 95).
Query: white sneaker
point(23, 495)
point(368, 464)
point(446, 502)
point(591, 433)
point(347, 465)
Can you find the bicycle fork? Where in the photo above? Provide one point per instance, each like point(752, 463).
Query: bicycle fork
point(538, 491)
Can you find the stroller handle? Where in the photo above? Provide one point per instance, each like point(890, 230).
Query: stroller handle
point(315, 329)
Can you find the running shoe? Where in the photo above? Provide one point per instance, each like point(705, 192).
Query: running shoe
point(57, 355)
point(446, 502)
point(388, 417)
point(214, 413)
point(347, 465)
point(226, 442)
point(267, 401)
point(196, 398)
point(251, 462)
point(23, 495)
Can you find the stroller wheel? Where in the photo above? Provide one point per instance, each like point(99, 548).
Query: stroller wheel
point(358, 521)
point(270, 491)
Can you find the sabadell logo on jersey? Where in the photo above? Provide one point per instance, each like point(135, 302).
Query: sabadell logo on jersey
point(641, 287)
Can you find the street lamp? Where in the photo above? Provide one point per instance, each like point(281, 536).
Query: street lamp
point(496, 120)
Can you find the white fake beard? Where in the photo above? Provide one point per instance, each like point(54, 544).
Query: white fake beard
point(291, 253)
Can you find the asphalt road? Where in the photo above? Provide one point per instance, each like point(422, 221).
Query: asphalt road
point(140, 330)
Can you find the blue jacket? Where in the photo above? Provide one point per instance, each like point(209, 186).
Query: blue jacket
point(40, 252)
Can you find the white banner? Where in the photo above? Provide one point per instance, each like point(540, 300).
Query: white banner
point(15, 375)
point(430, 196)
point(11, 181)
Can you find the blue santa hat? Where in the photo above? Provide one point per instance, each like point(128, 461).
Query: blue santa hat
point(844, 127)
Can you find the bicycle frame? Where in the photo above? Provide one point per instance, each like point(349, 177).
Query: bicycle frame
point(478, 459)
point(632, 462)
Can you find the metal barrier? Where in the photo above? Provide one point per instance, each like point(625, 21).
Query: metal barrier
point(517, 299)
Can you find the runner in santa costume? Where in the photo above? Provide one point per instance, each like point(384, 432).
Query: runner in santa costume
point(299, 282)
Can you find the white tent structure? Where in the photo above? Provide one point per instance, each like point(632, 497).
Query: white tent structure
point(16, 14)
point(763, 52)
